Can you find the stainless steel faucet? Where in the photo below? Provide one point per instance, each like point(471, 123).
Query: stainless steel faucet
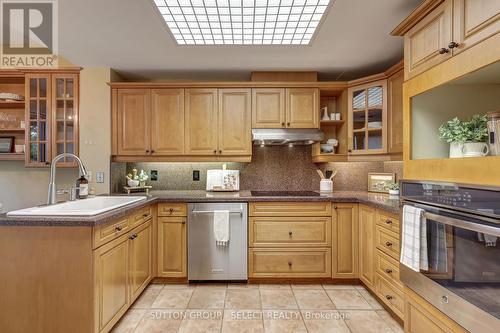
point(51, 198)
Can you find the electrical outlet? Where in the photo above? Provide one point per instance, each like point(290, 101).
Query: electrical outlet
point(196, 175)
point(99, 177)
point(88, 176)
point(154, 175)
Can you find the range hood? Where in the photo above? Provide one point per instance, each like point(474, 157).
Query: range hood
point(286, 136)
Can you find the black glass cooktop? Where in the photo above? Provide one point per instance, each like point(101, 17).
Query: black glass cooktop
point(284, 194)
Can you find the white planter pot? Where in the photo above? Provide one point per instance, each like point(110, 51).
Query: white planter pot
point(132, 183)
point(456, 150)
point(393, 192)
point(475, 149)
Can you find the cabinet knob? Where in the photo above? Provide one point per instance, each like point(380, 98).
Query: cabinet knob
point(220, 151)
point(349, 150)
point(388, 270)
point(134, 236)
point(145, 215)
point(288, 124)
point(171, 210)
point(152, 151)
point(443, 50)
point(215, 151)
point(388, 244)
point(388, 221)
point(147, 151)
point(118, 228)
point(453, 45)
point(290, 233)
point(388, 297)
point(183, 222)
point(334, 207)
point(290, 264)
point(282, 124)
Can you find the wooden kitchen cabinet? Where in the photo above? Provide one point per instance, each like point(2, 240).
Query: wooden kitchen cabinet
point(141, 255)
point(395, 113)
point(285, 108)
point(302, 108)
point(474, 21)
point(167, 120)
point(426, 43)
point(201, 121)
point(345, 234)
point(234, 130)
point(367, 245)
point(51, 117)
point(172, 247)
point(268, 108)
point(133, 122)
point(367, 125)
point(111, 282)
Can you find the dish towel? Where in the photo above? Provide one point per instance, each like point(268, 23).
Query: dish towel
point(438, 256)
point(221, 227)
point(414, 239)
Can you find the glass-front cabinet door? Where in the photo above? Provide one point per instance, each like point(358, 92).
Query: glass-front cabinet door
point(38, 118)
point(65, 116)
point(368, 118)
point(51, 118)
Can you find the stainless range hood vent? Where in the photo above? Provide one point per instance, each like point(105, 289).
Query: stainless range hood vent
point(288, 136)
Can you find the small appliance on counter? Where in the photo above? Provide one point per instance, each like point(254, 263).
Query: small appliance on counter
point(223, 180)
point(494, 132)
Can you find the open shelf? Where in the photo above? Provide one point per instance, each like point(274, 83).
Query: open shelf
point(12, 130)
point(332, 122)
point(11, 104)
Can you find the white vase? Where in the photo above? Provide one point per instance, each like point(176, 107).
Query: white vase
point(456, 150)
point(475, 149)
point(393, 192)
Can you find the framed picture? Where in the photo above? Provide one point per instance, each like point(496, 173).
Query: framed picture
point(6, 144)
point(378, 181)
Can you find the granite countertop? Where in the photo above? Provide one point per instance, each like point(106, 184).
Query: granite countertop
point(378, 200)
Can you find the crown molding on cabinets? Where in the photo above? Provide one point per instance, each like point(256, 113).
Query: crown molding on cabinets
point(415, 16)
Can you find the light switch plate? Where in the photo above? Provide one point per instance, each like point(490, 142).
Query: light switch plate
point(99, 177)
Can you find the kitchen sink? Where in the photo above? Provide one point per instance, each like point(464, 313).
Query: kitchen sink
point(85, 207)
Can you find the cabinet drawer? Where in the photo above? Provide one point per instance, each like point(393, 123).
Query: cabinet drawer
point(107, 232)
point(390, 295)
point(290, 262)
point(387, 267)
point(172, 209)
point(140, 216)
point(388, 222)
point(387, 242)
point(290, 209)
point(290, 231)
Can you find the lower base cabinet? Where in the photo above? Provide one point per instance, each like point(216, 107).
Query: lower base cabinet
point(422, 317)
point(122, 269)
point(345, 235)
point(367, 245)
point(172, 247)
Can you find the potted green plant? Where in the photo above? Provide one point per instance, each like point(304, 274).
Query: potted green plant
point(393, 188)
point(466, 138)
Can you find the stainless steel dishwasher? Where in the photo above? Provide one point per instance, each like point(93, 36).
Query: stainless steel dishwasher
point(208, 261)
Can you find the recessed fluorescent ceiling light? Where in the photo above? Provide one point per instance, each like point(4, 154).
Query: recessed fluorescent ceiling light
point(242, 22)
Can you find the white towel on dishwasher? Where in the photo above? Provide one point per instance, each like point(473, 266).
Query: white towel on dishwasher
point(414, 239)
point(221, 227)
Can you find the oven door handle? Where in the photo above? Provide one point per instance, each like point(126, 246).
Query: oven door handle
point(485, 229)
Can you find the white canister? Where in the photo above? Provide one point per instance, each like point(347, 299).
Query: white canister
point(326, 185)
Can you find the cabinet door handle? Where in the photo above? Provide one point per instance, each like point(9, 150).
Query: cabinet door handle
point(288, 124)
point(152, 151)
point(282, 124)
point(134, 236)
point(443, 50)
point(147, 151)
point(145, 215)
point(171, 210)
point(215, 151)
point(388, 297)
point(183, 221)
point(334, 207)
point(290, 233)
point(118, 228)
point(453, 45)
point(388, 271)
point(388, 244)
point(220, 152)
point(289, 264)
point(388, 221)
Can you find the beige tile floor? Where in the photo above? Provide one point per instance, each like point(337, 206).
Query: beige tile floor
point(242, 308)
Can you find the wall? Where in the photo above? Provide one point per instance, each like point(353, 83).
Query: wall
point(22, 187)
point(277, 168)
point(433, 108)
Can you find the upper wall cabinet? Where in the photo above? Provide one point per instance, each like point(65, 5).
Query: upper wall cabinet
point(367, 106)
point(438, 30)
point(426, 43)
point(234, 129)
point(201, 121)
point(51, 118)
point(133, 122)
point(167, 117)
point(285, 108)
point(395, 113)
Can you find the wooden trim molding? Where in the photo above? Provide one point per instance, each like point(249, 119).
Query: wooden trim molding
point(182, 158)
point(415, 16)
point(330, 85)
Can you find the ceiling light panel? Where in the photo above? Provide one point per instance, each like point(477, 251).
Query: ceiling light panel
point(242, 22)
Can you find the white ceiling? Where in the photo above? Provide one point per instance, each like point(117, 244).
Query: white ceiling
point(131, 37)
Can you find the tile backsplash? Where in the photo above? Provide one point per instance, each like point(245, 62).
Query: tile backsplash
point(275, 168)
